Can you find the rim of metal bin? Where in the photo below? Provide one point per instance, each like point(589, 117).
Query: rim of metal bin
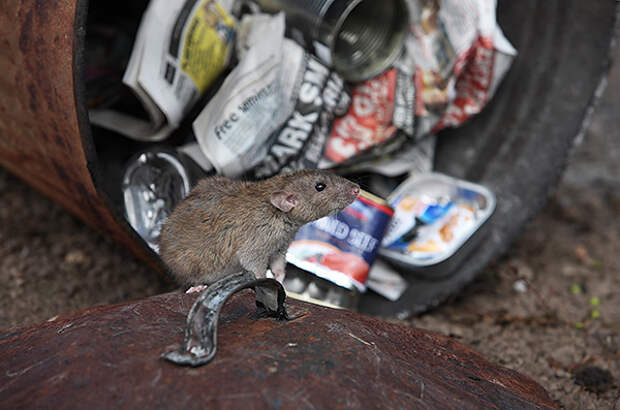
point(45, 135)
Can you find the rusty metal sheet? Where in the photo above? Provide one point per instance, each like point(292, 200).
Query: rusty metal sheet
point(109, 357)
point(45, 136)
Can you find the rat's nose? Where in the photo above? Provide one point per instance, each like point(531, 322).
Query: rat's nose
point(355, 190)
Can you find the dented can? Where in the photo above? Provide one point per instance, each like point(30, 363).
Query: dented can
point(341, 248)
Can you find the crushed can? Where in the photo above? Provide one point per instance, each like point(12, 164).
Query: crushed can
point(437, 221)
point(339, 249)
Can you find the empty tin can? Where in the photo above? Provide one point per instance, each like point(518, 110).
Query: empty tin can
point(341, 248)
point(154, 182)
point(363, 38)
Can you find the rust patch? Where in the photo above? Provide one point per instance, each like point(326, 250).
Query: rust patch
point(60, 172)
point(59, 140)
point(43, 9)
point(32, 91)
point(26, 32)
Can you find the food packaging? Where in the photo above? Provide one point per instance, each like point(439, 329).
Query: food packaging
point(437, 221)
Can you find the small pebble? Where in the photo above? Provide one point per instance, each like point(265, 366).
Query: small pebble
point(569, 270)
point(524, 271)
point(520, 286)
point(582, 255)
point(76, 257)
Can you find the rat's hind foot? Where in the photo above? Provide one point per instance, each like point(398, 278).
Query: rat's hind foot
point(194, 289)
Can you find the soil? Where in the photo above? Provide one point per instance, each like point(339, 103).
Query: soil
point(549, 309)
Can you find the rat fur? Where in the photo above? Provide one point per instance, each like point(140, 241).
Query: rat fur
point(225, 225)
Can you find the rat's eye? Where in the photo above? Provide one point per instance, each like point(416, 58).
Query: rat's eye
point(320, 186)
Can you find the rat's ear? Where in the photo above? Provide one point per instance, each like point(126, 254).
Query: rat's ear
point(284, 201)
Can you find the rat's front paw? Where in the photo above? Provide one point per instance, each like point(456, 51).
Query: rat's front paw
point(277, 266)
point(279, 275)
point(278, 272)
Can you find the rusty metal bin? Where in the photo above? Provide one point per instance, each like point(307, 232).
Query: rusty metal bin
point(108, 357)
point(517, 146)
point(45, 135)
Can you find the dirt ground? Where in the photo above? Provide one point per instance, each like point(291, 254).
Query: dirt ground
point(549, 309)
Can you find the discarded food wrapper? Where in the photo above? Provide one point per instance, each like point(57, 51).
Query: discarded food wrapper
point(282, 108)
point(342, 247)
point(180, 49)
point(385, 281)
point(154, 182)
point(437, 220)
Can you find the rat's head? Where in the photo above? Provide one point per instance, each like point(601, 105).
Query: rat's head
point(310, 195)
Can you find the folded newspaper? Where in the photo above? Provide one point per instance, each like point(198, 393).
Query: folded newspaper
point(459, 54)
point(180, 49)
point(275, 112)
point(273, 107)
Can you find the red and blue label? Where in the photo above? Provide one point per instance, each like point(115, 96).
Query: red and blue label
point(342, 247)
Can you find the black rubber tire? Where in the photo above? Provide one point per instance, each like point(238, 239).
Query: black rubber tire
point(519, 144)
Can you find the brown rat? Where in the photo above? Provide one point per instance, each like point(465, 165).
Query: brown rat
point(225, 225)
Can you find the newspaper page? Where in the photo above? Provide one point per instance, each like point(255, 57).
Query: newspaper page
point(459, 54)
point(455, 57)
point(300, 142)
point(255, 99)
point(380, 106)
point(180, 49)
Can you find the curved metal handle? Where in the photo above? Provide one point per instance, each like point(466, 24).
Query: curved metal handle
point(199, 345)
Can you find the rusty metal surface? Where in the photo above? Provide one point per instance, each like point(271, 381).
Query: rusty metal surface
point(45, 137)
point(108, 357)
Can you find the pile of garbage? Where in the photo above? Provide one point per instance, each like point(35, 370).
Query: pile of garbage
point(277, 86)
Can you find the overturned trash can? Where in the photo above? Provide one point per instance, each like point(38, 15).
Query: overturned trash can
point(516, 147)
